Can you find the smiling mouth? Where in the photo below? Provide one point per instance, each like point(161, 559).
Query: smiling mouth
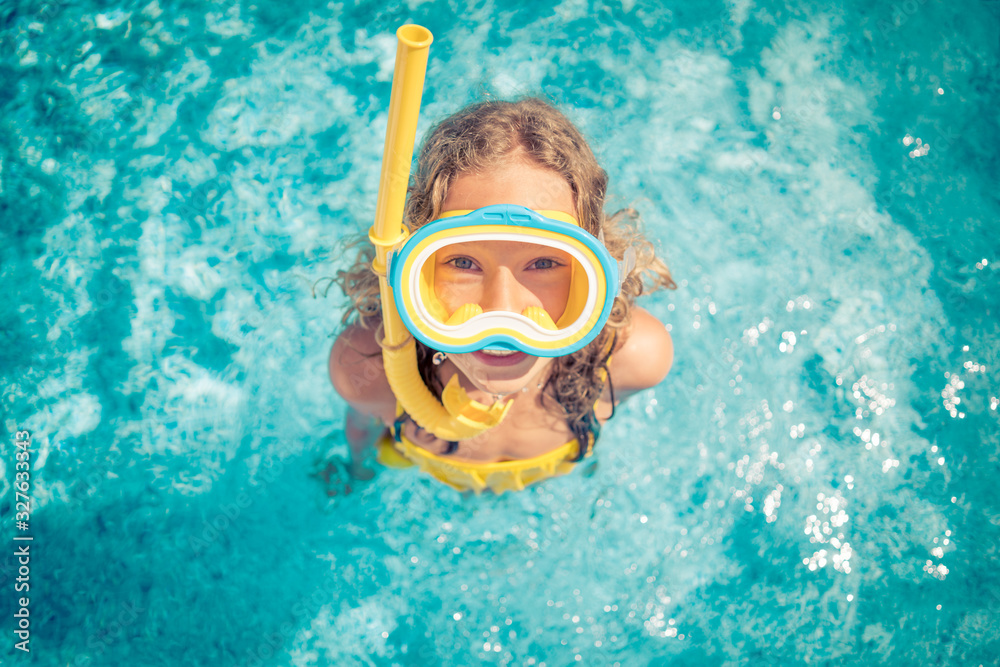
point(499, 357)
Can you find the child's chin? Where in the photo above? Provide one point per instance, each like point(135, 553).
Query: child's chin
point(500, 379)
point(497, 381)
point(503, 387)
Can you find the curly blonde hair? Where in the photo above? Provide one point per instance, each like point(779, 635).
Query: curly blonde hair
point(483, 136)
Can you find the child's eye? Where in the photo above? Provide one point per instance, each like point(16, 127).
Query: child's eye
point(544, 263)
point(463, 263)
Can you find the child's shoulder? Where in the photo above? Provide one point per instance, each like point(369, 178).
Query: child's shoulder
point(643, 356)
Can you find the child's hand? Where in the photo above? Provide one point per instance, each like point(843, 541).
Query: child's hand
point(334, 476)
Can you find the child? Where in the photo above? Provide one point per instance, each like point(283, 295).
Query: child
point(523, 154)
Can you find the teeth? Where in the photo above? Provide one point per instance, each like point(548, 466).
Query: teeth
point(499, 353)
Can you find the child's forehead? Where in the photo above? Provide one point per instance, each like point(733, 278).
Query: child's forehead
point(517, 182)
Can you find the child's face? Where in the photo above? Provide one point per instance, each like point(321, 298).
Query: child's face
point(501, 275)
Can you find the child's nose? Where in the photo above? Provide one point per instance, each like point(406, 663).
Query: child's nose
point(503, 292)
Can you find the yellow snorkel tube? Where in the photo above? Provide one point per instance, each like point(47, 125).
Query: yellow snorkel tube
point(456, 416)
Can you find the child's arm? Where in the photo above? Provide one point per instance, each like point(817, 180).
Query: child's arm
point(643, 358)
point(358, 375)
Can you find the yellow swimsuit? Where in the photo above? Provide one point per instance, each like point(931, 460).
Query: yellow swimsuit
point(395, 451)
point(498, 476)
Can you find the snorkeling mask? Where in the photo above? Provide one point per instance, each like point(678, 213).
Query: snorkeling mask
point(439, 289)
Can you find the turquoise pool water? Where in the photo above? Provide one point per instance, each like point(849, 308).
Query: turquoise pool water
point(815, 482)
